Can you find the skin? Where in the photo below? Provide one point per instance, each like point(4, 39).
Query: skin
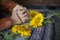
point(7, 22)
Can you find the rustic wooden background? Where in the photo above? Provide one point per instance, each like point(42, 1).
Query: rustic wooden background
point(38, 2)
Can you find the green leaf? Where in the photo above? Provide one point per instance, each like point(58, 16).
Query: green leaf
point(7, 36)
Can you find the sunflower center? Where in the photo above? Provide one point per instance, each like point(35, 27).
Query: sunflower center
point(37, 20)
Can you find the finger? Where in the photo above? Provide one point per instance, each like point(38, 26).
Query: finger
point(25, 8)
point(20, 7)
point(25, 15)
point(25, 11)
point(25, 19)
point(22, 11)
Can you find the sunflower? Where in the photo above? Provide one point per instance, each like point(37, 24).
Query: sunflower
point(22, 30)
point(37, 20)
point(32, 13)
point(15, 29)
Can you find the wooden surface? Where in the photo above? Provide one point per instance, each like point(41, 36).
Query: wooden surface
point(38, 2)
point(57, 29)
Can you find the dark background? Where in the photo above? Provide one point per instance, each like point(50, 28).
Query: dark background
point(57, 28)
point(39, 2)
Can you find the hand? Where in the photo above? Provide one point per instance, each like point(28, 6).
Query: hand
point(19, 14)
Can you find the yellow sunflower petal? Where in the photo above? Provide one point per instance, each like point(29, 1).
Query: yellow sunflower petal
point(37, 20)
point(14, 30)
point(22, 30)
point(33, 13)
